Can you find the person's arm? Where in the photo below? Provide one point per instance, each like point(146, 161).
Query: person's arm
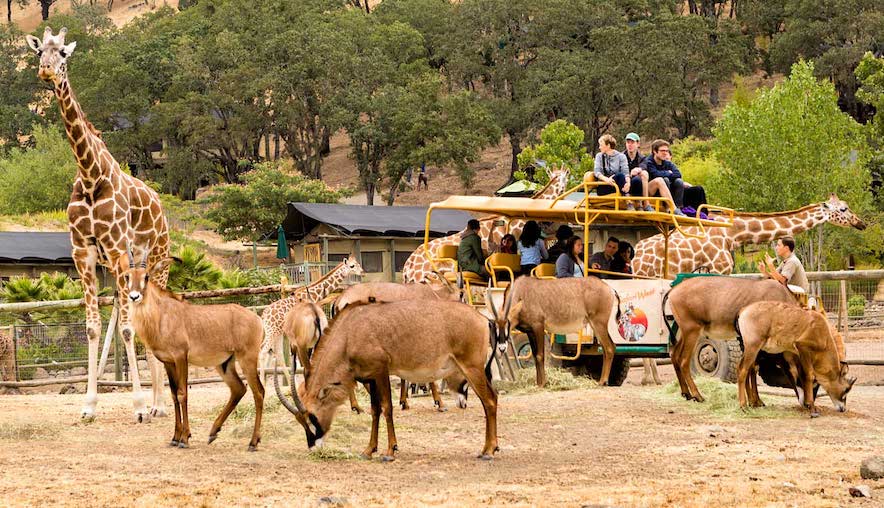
point(673, 170)
point(543, 253)
point(564, 267)
point(597, 167)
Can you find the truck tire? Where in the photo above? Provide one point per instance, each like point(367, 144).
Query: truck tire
point(619, 369)
point(717, 358)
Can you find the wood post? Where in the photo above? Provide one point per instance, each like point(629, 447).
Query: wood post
point(842, 309)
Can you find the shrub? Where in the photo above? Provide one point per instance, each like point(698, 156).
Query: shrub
point(856, 306)
point(39, 179)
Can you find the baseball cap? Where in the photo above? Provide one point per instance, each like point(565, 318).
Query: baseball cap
point(633, 136)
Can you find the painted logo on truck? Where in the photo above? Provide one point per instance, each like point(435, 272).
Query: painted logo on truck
point(633, 323)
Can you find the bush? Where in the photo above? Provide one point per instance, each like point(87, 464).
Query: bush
point(856, 306)
point(561, 143)
point(39, 179)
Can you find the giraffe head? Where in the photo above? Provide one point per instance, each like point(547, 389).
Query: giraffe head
point(840, 214)
point(559, 178)
point(53, 54)
point(350, 267)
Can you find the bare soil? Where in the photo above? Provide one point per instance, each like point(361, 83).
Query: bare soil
point(627, 446)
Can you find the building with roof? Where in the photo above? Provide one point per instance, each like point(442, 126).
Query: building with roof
point(31, 253)
point(381, 237)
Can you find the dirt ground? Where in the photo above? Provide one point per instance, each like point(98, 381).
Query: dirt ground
point(627, 446)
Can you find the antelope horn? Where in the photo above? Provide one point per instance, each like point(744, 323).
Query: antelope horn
point(508, 302)
point(445, 281)
point(144, 259)
point(298, 408)
point(129, 253)
point(493, 307)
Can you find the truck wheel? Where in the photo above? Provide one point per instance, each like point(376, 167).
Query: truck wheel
point(619, 369)
point(717, 358)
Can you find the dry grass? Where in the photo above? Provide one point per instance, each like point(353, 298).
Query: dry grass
point(558, 380)
point(56, 220)
point(722, 401)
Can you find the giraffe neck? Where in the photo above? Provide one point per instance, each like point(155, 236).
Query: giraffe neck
point(766, 228)
point(84, 140)
point(327, 284)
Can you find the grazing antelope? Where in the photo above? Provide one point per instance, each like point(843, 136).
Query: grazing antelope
point(417, 340)
point(709, 306)
point(386, 292)
point(179, 334)
point(776, 327)
point(304, 325)
point(536, 306)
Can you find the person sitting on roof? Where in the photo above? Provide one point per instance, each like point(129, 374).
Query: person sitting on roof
point(638, 177)
point(664, 177)
point(570, 262)
point(612, 168)
point(531, 247)
point(602, 260)
point(470, 257)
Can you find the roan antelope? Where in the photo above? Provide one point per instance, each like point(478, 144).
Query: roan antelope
point(776, 327)
point(536, 306)
point(386, 292)
point(417, 340)
point(179, 334)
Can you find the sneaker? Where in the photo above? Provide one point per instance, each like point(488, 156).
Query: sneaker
point(678, 212)
point(630, 207)
point(649, 208)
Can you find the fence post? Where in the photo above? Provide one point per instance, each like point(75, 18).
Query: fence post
point(118, 358)
point(842, 308)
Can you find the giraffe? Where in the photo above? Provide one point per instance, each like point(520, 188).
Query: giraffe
point(713, 251)
point(273, 316)
point(417, 267)
point(108, 211)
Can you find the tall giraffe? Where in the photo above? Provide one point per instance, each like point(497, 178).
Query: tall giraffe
point(417, 267)
point(108, 211)
point(714, 250)
point(274, 315)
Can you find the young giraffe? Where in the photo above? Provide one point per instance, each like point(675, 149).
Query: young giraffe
point(108, 210)
point(714, 251)
point(417, 267)
point(273, 316)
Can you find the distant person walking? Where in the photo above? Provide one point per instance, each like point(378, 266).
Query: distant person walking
point(422, 177)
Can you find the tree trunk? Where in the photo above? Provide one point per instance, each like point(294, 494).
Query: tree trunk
point(9, 11)
point(392, 196)
point(267, 146)
point(276, 145)
point(516, 145)
point(714, 99)
point(369, 193)
point(44, 8)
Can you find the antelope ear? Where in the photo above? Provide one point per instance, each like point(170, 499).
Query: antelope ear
point(33, 43)
point(160, 266)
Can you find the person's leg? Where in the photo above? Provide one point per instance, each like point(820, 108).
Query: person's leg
point(658, 186)
point(677, 188)
point(638, 187)
point(694, 196)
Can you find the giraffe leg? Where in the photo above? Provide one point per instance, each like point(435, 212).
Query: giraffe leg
point(158, 404)
point(85, 259)
point(142, 415)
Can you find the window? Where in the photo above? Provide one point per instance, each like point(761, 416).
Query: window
point(334, 259)
point(373, 262)
point(401, 258)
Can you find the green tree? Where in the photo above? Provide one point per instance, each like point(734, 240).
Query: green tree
point(834, 34)
point(561, 144)
point(870, 73)
point(38, 179)
point(18, 85)
point(790, 146)
point(192, 271)
point(248, 211)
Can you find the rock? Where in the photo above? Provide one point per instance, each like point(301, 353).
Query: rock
point(67, 389)
point(79, 371)
point(40, 373)
point(872, 468)
point(142, 365)
point(861, 491)
point(333, 501)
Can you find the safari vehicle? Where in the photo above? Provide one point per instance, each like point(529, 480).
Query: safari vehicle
point(640, 330)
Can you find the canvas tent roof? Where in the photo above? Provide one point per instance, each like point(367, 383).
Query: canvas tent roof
point(405, 221)
point(35, 248)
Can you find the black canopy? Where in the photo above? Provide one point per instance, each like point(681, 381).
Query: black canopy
point(35, 248)
point(371, 220)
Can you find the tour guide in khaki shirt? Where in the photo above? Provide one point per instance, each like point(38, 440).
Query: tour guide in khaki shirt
point(790, 271)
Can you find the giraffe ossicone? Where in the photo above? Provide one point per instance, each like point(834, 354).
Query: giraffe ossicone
point(108, 210)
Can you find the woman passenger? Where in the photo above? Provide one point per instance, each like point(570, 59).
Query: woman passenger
point(622, 262)
point(531, 247)
point(508, 244)
point(570, 262)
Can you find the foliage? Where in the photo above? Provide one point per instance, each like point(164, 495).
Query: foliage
point(696, 160)
point(834, 34)
point(184, 215)
point(721, 401)
point(561, 144)
point(856, 306)
point(789, 147)
point(248, 211)
point(39, 179)
point(192, 271)
point(48, 287)
point(16, 118)
point(557, 380)
point(870, 73)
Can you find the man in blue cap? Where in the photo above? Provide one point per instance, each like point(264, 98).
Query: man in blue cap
point(638, 178)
